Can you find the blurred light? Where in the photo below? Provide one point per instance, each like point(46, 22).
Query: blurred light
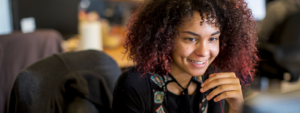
point(5, 23)
point(28, 25)
point(258, 8)
point(274, 103)
point(84, 4)
point(264, 84)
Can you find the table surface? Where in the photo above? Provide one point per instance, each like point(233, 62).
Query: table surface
point(118, 55)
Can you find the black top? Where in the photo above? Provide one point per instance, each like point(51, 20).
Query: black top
point(175, 102)
point(148, 94)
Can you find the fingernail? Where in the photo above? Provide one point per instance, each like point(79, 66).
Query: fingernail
point(202, 85)
point(201, 89)
point(208, 98)
point(215, 100)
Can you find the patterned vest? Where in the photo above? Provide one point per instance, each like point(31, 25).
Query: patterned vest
point(158, 86)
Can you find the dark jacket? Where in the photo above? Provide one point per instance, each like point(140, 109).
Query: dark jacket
point(18, 50)
point(66, 83)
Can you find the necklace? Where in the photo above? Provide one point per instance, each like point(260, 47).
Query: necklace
point(184, 96)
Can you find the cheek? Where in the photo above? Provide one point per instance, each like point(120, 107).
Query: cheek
point(215, 50)
point(186, 51)
point(183, 51)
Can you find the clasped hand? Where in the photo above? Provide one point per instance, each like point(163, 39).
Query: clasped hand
point(229, 88)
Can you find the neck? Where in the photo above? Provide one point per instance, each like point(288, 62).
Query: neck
point(182, 78)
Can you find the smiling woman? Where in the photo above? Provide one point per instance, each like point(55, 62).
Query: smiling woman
point(189, 55)
point(196, 47)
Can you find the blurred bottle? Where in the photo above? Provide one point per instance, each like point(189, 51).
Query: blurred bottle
point(90, 31)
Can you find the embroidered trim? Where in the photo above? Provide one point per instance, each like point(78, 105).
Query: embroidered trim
point(167, 78)
point(203, 99)
point(157, 80)
point(200, 105)
point(199, 79)
point(204, 109)
point(160, 109)
point(158, 97)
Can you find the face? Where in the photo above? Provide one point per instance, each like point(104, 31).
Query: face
point(196, 47)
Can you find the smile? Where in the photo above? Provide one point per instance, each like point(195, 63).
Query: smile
point(196, 62)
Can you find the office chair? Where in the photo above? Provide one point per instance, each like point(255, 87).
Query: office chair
point(282, 54)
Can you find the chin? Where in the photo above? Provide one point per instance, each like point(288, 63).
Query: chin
point(197, 73)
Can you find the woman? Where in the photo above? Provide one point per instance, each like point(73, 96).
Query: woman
point(189, 55)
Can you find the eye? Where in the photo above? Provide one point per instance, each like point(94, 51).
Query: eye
point(190, 39)
point(213, 39)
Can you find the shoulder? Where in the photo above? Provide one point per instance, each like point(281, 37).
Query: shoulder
point(132, 81)
point(131, 78)
point(132, 93)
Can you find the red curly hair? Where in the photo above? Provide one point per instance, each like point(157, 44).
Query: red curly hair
point(152, 29)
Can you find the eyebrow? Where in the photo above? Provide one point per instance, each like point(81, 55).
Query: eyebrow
point(195, 34)
point(215, 33)
point(192, 33)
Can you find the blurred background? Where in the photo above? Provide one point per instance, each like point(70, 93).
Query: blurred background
point(32, 30)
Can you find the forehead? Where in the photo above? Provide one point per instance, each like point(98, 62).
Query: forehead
point(194, 24)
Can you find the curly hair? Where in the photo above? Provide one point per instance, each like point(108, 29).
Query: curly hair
point(152, 29)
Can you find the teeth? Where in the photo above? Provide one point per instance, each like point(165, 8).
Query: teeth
point(197, 62)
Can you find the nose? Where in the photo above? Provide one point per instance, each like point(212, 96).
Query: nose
point(202, 49)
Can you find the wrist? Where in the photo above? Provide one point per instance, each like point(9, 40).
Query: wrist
point(234, 110)
point(237, 108)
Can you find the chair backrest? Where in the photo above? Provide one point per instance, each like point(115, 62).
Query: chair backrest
point(66, 82)
point(18, 50)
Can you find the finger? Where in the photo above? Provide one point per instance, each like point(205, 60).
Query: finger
point(219, 75)
point(230, 94)
point(222, 89)
point(218, 82)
